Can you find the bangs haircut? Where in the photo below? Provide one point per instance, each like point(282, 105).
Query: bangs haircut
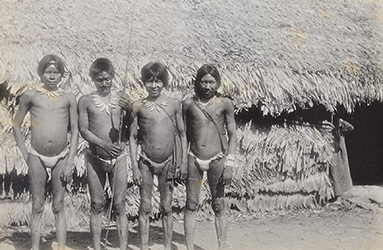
point(157, 71)
point(101, 65)
point(50, 60)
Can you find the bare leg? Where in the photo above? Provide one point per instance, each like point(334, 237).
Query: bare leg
point(37, 179)
point(166, 194)
point(218, 197)
point(146, 205)
point(58, 189)
point(96, 181)
point(193, 187)
point(119, 186)
point(221, 225)
point(95, 229)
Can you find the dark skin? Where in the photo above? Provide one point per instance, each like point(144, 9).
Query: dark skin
point(102, 131)
point(50, 118)
point(153, 129)
point(205, 143)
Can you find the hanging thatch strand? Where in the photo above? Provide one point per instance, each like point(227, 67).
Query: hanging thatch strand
point(276, 54)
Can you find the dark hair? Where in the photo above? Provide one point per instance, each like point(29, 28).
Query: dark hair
point(50, 60)
point(204, 70)
point(101, 65)
point(155, 70)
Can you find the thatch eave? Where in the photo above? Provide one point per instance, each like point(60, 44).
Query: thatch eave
point(259, 46)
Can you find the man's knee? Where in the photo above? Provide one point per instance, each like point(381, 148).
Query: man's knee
point(166, 208)
point(97, 206)
point(192, 204)
point(38, 207)
point(119, 207)
point(145, 205)
point(57, 206)
point(218, 205)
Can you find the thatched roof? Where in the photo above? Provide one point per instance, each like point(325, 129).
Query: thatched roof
point(276, 54)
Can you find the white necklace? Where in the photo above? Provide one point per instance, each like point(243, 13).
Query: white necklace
point(50, 93)
point(101, 105)
point(151, 105)
point(208, 103)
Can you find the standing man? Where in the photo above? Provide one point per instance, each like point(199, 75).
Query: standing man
point(340, 171)
point(207, 117)
point(157, 130)
point(100, 124)
point(53, 115)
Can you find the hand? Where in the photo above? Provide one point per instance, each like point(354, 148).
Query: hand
point(26, 156)
point(328, 125)
point(67, 173)
point(113, 150)
point(182, 172)
point(227, 174)
point(137, 176)
point(125, 102)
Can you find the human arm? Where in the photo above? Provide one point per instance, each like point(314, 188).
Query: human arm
point(66, 175)
point(133, 143)
point(83, 109)
point(232, 148)
point(25, 102)
point(181, 173)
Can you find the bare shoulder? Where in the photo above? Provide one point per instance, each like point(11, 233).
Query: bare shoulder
point(187, 102)
point(85, 100)
point(225, 101)
point(172, 100)
point(28, 94)
point(70, 96)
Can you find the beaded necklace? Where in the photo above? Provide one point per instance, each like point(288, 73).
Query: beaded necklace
point(210, 102)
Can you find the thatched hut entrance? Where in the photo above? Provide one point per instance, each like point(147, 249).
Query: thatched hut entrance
point(365, 144)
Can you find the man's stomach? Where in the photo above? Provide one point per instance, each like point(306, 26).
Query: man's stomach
point(49, 144)
point(205, 151)
point(158, 151)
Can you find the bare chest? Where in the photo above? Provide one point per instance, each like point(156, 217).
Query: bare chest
point(98, 116)
point(50, 106)
point(198, 116)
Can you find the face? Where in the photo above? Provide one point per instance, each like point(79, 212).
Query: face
point(103, 82)
point(208, 86)
point(154, 87)
point(51, 77)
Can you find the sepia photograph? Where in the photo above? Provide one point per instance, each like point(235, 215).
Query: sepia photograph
point(191, 124)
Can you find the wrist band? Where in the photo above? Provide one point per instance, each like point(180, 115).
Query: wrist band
point(230, 157)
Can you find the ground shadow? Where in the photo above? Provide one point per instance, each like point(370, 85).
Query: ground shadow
point(81, 240)
point(156, 236)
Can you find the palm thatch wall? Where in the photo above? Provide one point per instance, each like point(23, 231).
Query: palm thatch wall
point(277, 55)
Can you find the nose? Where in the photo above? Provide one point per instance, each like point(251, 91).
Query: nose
point(105, 83)
point(153, 84)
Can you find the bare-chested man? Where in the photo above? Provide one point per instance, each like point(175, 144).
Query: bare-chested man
point(52, 112)
point(206, 116)
point(100, 124)
point(157, 121)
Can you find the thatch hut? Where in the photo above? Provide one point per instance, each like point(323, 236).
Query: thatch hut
point(281, 61)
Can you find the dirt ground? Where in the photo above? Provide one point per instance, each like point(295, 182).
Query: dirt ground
point(357, 223)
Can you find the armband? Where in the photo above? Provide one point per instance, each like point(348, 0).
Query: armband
point(230, 157)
